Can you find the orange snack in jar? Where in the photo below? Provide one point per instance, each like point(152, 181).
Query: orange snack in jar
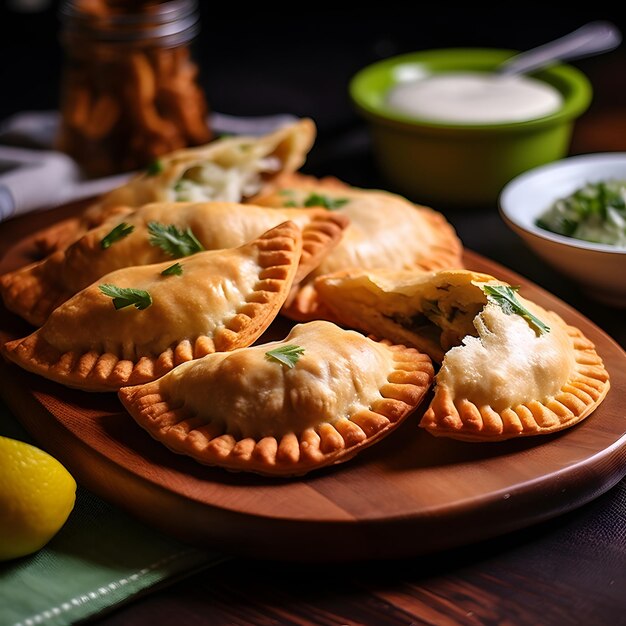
point(130, 91)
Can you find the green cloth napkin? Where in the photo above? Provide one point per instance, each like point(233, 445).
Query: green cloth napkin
point(99, 559)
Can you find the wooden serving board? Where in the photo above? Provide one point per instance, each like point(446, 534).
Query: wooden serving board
point(409, 494)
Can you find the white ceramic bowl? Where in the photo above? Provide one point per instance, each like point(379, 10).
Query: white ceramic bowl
point(599, 268)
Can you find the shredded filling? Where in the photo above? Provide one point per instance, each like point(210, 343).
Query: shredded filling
point(212, 182)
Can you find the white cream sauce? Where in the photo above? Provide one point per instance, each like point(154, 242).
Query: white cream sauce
point(475, 98)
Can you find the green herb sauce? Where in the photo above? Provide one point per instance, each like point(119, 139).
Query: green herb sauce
point(595, 213)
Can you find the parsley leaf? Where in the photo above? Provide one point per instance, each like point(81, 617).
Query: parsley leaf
point(173, 270)
point(504, 296)
point(318, 199)
point(124, 296)
point(156, 167)
point(287, 355)
point(172, 240)
point(119, 232)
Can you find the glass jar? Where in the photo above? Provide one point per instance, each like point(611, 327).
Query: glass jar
point(129, 91)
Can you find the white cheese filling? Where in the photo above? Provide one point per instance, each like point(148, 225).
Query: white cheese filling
point(508, 363)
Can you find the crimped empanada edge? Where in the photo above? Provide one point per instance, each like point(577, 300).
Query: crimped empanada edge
point(447, 251)
point(25, 292)
point(293, 454)
point(576, 400)
point(319, 236)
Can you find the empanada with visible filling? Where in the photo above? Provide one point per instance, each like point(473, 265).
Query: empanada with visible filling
point(501, 377)
point(385, 230)
point(431, 311)
point(244, 410)
point(33, 292)
point(212, 301)
point(230, 169)
point(512, 382)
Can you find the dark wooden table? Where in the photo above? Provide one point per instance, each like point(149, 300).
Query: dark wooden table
point(570, 570)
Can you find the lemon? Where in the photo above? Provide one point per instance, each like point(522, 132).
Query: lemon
point(37, 494)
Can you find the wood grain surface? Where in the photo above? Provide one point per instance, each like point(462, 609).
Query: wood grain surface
point(411, 493)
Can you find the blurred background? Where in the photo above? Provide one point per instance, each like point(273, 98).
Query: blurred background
point(300, 62)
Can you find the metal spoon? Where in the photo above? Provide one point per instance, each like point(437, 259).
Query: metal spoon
point(592, 38)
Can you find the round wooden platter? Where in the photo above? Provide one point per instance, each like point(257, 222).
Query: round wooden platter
point(407, 495)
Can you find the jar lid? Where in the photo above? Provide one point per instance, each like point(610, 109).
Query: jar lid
point(171, 22)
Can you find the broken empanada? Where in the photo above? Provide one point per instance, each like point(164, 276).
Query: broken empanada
point(431, 311)
point(385, 230)
point(230, 169)
point(512, 381)
point(510, 377)
point(284, 408)
point(33, 292)
point(137, 323)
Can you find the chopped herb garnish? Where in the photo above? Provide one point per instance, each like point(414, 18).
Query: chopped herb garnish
point(156, 167)
point(119, 232)
point(290, 204)
point(179, 186)
point(123, 296)
point(173, 270)
point(287, 355)
point(318, 199)
point(504, 296)
point(175, 242)
point(286, 192)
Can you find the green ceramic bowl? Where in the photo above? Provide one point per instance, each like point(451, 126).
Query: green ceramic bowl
point(461, 164)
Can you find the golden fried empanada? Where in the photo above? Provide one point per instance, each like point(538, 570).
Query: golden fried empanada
point(512, 381)
point(431, 311)
point(230, 169)
point(334, 393)
point(33, 292)
point(385, 230)
point(137, 323)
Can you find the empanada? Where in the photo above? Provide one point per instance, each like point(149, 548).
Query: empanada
point(509, 378)
point(230, 169)
point(431, 311)
point(385, 230)
point(246, 410)
point(172, 312)
point(512, 382)
point(33, 292)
